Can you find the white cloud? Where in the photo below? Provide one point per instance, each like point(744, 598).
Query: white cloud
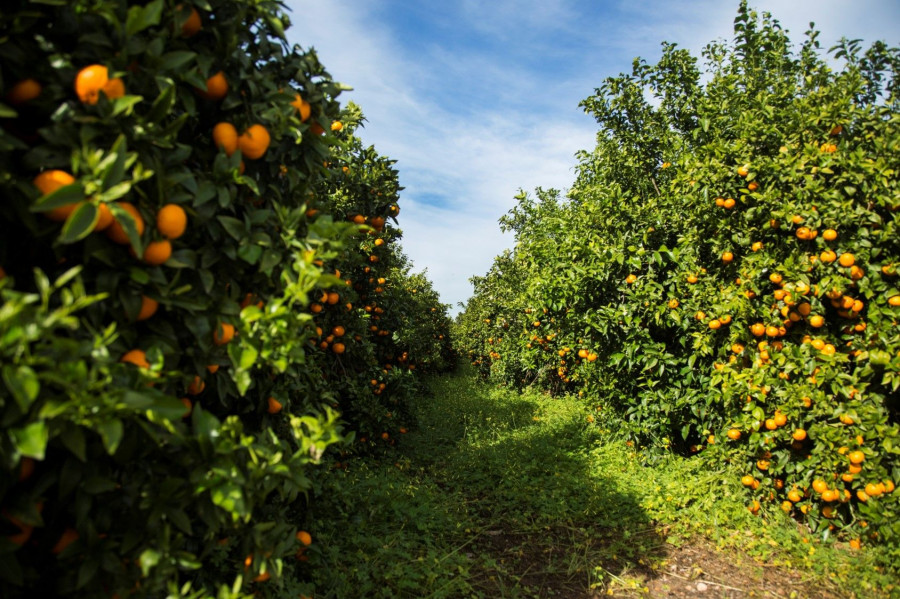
point(470, 126)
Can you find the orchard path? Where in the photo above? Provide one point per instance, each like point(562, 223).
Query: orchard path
point(499, 495)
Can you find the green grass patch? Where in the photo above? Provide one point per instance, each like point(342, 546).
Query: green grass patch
point(498, 494)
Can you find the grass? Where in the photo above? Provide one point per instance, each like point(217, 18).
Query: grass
point(503, 495)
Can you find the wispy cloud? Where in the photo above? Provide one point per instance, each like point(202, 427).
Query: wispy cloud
point(484, 100)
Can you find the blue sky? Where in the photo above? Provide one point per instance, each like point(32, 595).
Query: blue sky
point(478, 99)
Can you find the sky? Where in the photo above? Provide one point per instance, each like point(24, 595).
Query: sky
point(476, 100)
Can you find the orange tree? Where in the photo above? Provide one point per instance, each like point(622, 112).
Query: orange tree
point(724, 273)
point(166, 240)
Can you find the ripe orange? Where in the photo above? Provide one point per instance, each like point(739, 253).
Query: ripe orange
point(758, 329)
point(114, 88)
point(104, 218)
point(90, 81)
point(816, 321)
point(794, 495)
point(338, 348)
point(69, 536)
point(847, 260)
point(734, 434)
point(197, 386)
point(274, 406)
point(747, 480)
point(819, 486)
point(212, 368)
point(854, 544)
point(754, 507)
point(753, 186)
point(157, 252)
point(829, 235)
point(225, 136)
point(728, 203)
point(223, 333)
point(799, 434)
point(780, 419)
point(894, 301)
point(727, 257)
point(193, 24)
point(757, 245)
point(171, 221)
point(302, 107)
point(673, 303)
point(304, 537)
point(856, 457)
point(117, 233)
point(743, 170)
point(714, 324)
point(49, 181)
point(691, 279)
point(775, 278)
point(254, 142)
point(337, 126)
point(339, 331)
point(137, 357)
point(148, 308)
point(216, 87)
point(24, 91)
point(631, 278)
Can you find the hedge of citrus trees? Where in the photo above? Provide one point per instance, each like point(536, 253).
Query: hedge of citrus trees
point(723, 275)
point(201, 293)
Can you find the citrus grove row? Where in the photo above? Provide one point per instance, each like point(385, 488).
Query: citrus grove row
point(202, 293)
point(722, 277)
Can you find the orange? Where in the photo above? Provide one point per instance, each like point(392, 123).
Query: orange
point(816, 321)
point(727, 257)
point(734, 434)
point(171, 221)
point(48, 182)
point(69, 536)
point(772, 331)
point(630, 279)
point(829, 235)
point(786, 506)
point(197, 386)
point(758, 329)
point(337, 126)
point(775, 278)
point(24, 91)
point(302, 107)
point(780, 419)
point(213, 368)
point(117, 233)
point(873, 490)
point(216, 87)
point(819, 486)
point(747, 480)
point(137, 357)
point(304, 537)
point(114, 88)
point(225, 136)
point(254, 142)
point(673, 303)
point(753, 507)
point(714, 324)
point(148, 308)
point(338, 348)
point(794, 495)
point(770, 424)
point(753, 186)
point(359, 219)
point(105, 217)
point(720, 202)
point(847, 260)
point(193, 24)
point(691, 279)
point(226, 334)
point(799, 434)
point(854, 544)
point(274, 406)
point(856, 457)
point(743, 170)
point(339, 331)
point(157, 252)
point(757, 245)
point(333, 298)
point(90, 81)
point(894, 301)
point(728, 203)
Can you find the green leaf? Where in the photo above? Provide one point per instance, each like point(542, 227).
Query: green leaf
point(111, 432)
point(248, 357)
point(233, 226)
point(98, 484)
point(173, 61)
point(127, 222)
point(74, 440)
point(114, 164)
point(6, 112)
point(31, 440)
point(125, 104)
point(250, 253)
point(23, 383)
point(80, 223)
point(68, 194)
point(142, 17)
point(163, 103)
point(148, 559)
